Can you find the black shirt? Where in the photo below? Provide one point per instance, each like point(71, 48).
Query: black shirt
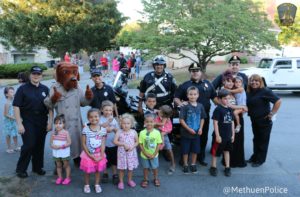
point(224, 116)
point(100, 95)
point(206, 92)
point(168, 83)
point(30, 99)
point(258, 102)
point(218, 81)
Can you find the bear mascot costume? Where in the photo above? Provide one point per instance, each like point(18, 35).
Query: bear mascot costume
point(66, 97)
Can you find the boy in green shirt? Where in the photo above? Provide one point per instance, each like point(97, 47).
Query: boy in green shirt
point(149, 139)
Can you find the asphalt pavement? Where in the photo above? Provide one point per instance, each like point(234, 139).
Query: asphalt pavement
point(279, 176)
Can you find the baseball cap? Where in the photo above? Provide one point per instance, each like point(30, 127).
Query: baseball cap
point(95, 72)
point(36, 69)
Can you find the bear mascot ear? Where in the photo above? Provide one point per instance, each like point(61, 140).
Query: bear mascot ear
point(59, 74)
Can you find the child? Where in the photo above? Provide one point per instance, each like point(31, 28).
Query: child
point(191, 118)
point(115, 66)
point(164, 124)
point(60, 142)
point(238, 97)
point(149, 140)
point(150, 103)
point(127, 140)
point(223, 135)
point(9, 123)
point(111, 126)
point(93, 158)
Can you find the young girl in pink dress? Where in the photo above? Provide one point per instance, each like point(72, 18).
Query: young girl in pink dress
point(93, 159)
point(164, 124)
point(127, 140)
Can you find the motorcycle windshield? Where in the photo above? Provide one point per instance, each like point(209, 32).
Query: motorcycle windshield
point(120, 84)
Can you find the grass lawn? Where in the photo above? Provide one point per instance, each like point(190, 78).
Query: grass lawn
point(47, 74)
point(182, 74)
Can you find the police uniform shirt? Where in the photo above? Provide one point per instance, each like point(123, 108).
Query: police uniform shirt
point(30, 99)
point(168, 83)
point(258, 102)
point(218, 81)
point(206, 92)
point(100, 95)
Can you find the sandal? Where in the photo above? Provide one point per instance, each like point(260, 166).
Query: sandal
point(156, 182)
point(87, 189)
point(144, 183)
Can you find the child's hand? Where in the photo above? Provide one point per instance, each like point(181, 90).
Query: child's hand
point(218, 139)
point(244, 108)
point(192, 131)
point(232, 139)
point(126, 147)
point(200, 132)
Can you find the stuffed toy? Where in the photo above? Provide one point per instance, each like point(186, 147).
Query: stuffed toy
point(66, 97)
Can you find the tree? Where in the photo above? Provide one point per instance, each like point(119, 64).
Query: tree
point(59, 25)
point(206, 28)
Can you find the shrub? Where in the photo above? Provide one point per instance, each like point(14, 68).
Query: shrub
point(12, 70)
point(244, 60)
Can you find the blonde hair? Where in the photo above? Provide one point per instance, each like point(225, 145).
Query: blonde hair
point(129, 117)
point(106, 103)
point(257, 78)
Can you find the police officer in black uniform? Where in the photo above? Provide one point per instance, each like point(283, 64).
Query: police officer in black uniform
point(159, 82)
point(101, 91)
point(206, 93)
point(234, 66)
point(33, 122)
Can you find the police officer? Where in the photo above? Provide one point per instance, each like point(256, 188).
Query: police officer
point(237, 155)
point(206, 93)
point(234, 66)
point(159, 82)
point(33, 122)
point(101, 91)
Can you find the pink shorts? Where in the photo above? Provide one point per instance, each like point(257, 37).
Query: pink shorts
point(88, 165)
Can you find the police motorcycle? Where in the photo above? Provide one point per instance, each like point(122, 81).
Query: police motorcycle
point(126, 103)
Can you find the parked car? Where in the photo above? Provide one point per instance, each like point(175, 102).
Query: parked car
point(279, 73)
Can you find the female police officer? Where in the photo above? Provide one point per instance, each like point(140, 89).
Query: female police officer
point(206, 93)
point(32, 121)
point(159, 82)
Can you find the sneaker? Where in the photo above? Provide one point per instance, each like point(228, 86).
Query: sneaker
point(98, 189)
point(171, 170)
point(185, 169)
point(237, 128)
point(87, 189)
point(227, 172)
point(213, 171)
point(67, 181)
point(193, 169)
point(58, 181)
point(105, 178)
point(10, 151)
point(115, 179)
point(17, 149)
point(131, 183)
point(121, 185)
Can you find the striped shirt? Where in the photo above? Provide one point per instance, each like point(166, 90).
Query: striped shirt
point(61, 135)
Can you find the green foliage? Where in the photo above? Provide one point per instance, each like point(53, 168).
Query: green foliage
point(12, 70)
point(204, 28)
point(244, 60)
point(59, 25)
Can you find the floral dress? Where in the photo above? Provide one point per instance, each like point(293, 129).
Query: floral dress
point(9, 125)
point(127, 159)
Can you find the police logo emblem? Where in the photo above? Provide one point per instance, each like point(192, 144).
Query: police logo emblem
point(105, 93)
point(43, 94)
